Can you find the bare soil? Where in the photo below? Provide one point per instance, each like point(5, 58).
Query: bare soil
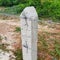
point(47, 34)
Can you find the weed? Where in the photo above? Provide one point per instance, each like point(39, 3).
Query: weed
point(17, 29)
point(1, 38)
point(3, 47)
point(18, 54)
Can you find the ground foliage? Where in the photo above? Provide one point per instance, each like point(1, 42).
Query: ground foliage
point(45, 8)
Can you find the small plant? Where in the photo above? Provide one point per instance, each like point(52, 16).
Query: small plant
point(42, 39)
point(57, 49)
point(3, 47)
point(18, 29)
point(1, 38)
point(56, 52)
point(18, 54)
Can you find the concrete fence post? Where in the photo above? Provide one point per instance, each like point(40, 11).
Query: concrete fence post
point(29, 27)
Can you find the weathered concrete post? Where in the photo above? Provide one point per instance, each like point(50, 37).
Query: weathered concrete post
point(29, 26)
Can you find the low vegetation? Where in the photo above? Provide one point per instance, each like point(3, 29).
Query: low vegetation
point(45, 8)
point(48, 47)
point(9, 2)
point(18, 54)
point(1, 38)
point(18, 29)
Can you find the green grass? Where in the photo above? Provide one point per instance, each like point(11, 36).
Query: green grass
point(18, 54)
point(47, 9)
point(3, 47)
point(14, 10)
point(44, 46)
point(17, 29)
point(1, 38)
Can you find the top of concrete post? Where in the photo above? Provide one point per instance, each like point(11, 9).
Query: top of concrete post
point(29, 12)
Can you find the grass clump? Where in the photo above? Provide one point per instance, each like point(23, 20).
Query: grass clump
point(1, 38)
point(17, 29)
point(18, 54)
